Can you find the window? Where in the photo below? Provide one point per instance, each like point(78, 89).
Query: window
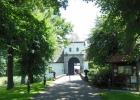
point(125, 70)
point(77, 49)
point(69, 49)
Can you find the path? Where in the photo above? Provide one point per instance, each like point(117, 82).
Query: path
point(68, 88)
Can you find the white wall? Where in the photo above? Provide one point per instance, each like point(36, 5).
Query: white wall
point(57, 67)
point(73, 47)
point(86, 65)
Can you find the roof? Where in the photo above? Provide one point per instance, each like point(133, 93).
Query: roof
point(120, 58)
point(78, 42)
point(60, 57)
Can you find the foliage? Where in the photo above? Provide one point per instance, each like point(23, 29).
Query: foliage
point(2, 66)
point(124, 11)
point(26, 26)
point(116, 32)
point(99, 76)
point(20, 92)
point(38, 79)
point(53, 32)
point(119, 96)
point(104, 42)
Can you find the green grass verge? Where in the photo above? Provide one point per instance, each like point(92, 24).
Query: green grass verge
point(119, 96)
point(20, 92)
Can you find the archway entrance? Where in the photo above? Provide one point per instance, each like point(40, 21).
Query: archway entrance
point(72, 61)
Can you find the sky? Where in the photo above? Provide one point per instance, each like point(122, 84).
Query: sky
point(82, 16)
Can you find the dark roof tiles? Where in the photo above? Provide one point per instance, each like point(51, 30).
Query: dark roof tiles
point(60, 57)
point(120, 58)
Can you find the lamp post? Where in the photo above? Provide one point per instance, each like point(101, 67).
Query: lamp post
point(69, 74)
point(109, 84)
point(86, 72)
point(43, 58)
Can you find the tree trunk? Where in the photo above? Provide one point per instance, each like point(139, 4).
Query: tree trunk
point(129, 39)
point(23, 79)
point(31, 79)
point(10, 83)
point(30, 74)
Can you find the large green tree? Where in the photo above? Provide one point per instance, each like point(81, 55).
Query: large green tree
point(18, 25)
point(121, 18)
point(104, 42)
point(127, 13)
point(7, 37)
point(48, 31)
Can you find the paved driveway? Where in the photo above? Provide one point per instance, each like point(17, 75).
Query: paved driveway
point(68, 88)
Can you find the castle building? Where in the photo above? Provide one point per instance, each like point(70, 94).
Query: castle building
point(71, 60)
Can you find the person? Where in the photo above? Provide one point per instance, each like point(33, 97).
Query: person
point(109, 84)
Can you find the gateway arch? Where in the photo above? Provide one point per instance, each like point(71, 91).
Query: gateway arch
point(70, 59)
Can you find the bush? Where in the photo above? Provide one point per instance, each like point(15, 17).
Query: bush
point(99, 76)
point(41, 78)
point(38, 79)
point(49, 79)
point(4, 82)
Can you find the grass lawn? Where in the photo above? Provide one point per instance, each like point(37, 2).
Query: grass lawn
point(119, 96)
point(20, 92)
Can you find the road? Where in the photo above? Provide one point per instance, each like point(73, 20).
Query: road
point(68, 88)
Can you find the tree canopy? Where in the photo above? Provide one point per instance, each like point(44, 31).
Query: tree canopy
point(31, 25)
point(120, 26)
point(104, 42)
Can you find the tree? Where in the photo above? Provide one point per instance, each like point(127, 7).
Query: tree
point(15, 26)
point(44, 42)
point(8, 30)
point(127, 13)
point(104, 42)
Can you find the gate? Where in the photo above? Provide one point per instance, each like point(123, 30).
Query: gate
point(71, 65)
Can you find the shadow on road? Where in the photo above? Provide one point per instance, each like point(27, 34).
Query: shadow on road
point(76, 89)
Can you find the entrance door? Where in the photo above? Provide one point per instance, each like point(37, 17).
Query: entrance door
point(71, 65)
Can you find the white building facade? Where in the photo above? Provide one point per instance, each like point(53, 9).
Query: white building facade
point(72, 57)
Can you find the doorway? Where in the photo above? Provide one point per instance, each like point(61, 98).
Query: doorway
point(71, 63)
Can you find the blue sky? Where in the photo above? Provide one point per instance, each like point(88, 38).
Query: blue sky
point(82, 15)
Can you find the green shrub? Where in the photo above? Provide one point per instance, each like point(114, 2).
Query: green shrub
point(4, 82)
point(99, 76)
point(38, 79)
point(49, 79)
point(41, 78)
